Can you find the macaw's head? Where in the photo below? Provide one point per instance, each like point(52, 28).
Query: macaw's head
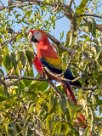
point(37, 35)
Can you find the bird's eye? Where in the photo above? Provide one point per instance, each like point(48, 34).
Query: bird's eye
point(37, 32)
point(37, 35)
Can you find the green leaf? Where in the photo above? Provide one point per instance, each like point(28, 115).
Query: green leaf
point(61, 35)
point(1, 59)
point(22, 58)
point(2, 98)
point(92, 28)
point(57, 128)
point(49, 123)
point(63, 105)
point(13, 60)
point(28, 13)
point(7, 62)
point(30, 56)
point(38, 85)
point(72, 109)
point(81, 8)
point(52, 103)
point(87, 131)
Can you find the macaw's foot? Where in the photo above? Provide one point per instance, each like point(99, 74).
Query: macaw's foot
point(43, 76)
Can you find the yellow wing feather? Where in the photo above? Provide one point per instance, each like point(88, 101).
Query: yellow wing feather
point(55, 62)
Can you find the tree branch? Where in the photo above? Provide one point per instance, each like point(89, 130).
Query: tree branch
point(8, 41)
point(90, 88)
point(93, 15)
point(23, 77)
point(55, 76)
point(70, 3)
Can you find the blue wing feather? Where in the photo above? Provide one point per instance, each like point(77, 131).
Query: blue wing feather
point(50, 67)
point(67, 74)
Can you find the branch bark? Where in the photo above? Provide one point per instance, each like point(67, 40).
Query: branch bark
point(44, 79)
point(23, 77)
point(10, 40)
point(92, 15)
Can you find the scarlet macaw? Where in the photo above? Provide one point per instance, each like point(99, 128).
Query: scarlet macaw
point(47, 57)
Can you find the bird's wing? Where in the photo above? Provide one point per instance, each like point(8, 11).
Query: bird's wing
point(54, 65)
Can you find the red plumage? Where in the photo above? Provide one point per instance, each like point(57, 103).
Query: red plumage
point(38, 65)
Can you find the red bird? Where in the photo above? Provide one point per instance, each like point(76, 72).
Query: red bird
point(47, 57)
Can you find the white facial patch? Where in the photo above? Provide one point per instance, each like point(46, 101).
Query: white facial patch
point(30, 36)
point(37, 35)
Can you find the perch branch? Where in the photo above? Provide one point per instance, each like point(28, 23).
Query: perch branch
point(45, 79)
point(32, 78)
point(23, 77)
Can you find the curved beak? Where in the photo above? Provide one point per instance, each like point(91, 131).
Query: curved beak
point(32, 38)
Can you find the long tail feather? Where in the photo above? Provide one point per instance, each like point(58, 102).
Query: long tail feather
point(69, 92)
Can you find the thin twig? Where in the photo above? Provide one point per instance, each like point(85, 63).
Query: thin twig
point(93, 15)
point(8, 41)
point(90, 88)
point(70, 3)
point(23, 77)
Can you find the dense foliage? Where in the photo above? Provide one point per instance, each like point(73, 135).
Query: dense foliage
point(30, 106)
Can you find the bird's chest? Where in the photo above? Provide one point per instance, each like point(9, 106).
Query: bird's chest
point(44, 52)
